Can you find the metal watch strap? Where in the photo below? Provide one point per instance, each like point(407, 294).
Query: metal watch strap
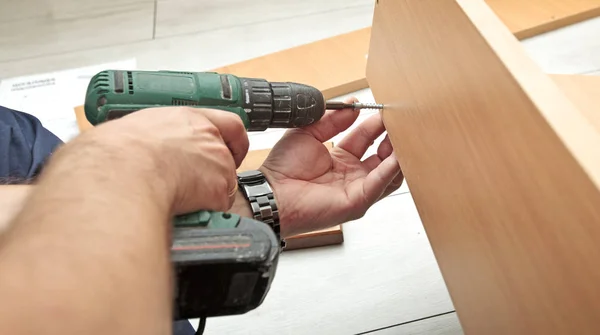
point(257, 190)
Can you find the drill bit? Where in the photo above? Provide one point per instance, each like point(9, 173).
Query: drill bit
point(354, 105)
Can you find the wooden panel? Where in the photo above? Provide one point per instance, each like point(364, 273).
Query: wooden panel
point(317, 65)
point(533, 17)
point(73, 26)
point(584, 92)
point(82, 122)
point(186, 16)
point(503, 168)
point(335, 65)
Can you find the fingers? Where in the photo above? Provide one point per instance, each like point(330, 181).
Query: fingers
point(363, 136)
point(394, 185)
point(383, 151)
point(385, 148)
point(333, 123)
point(377, 181)
point(232, 131)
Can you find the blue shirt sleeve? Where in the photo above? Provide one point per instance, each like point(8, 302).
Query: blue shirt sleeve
point(25, 145)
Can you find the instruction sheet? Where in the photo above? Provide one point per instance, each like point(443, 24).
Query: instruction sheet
point(52, 96)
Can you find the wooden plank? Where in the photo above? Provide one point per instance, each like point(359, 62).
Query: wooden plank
point(584, 91)
point(254, 159)
point(336, 65)
point(503, 168)
point(82, 122)
point(533, 17)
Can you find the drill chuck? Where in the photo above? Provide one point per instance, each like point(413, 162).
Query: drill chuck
point(280, 105)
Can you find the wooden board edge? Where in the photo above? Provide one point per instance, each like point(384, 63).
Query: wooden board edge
point(573, 128)
point(343, 86)
point(319, 240)
point(584, 92)
point(557, 24)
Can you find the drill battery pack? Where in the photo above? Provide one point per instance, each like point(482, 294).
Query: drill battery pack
point(222, 267)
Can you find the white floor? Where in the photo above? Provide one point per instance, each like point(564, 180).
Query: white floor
point(384, 278)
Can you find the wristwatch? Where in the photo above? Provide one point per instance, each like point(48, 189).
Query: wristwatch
point(258, 192)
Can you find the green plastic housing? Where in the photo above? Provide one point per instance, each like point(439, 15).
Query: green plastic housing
point(113, 93)
point(207, 219)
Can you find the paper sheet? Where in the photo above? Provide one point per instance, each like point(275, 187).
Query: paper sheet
point(51, 97)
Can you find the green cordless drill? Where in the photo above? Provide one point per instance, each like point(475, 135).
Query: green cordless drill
point(223, 264)
point(259, 103)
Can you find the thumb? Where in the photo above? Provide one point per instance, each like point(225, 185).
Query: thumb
point(377, 181)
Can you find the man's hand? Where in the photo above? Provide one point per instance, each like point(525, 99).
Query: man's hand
point(195, 152)
point(316, 188)
point(91, 243)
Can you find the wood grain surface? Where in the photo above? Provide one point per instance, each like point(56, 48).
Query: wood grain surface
point(502, 166)
point(336, 65)
point(533, 17)
point(584, 92)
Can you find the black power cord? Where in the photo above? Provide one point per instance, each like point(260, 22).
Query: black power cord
point(201, 326)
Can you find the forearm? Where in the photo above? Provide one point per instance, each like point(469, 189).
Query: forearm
point(90, 249)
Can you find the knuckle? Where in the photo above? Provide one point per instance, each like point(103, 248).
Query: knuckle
point(236, 122)
point(221, 193)
point(221, 187)
point(223, 153)
point(210, 129)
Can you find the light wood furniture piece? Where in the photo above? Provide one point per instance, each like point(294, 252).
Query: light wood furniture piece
point(533, 17)
point(503, 163)
point(336, 65)
point(254, 159)
point(584, 92)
